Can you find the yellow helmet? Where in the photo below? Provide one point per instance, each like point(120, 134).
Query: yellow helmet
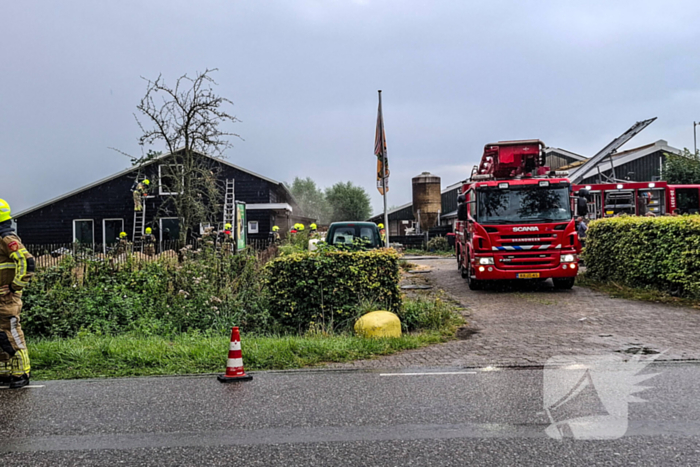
point(275, 228)
point(313, 226)
point(122, 235)
point(381, 226)
point(5, 214)
point(146, 182)
point(149, 231)
point(227, 227)
point(301, 227)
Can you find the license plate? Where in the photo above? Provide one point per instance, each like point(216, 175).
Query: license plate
point(528, 275)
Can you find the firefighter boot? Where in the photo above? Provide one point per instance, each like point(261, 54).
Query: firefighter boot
point(19, 381)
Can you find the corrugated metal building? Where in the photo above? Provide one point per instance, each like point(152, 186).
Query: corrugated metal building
point(641, 164)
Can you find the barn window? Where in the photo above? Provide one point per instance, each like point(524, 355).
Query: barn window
point(169, 229)
point(168, 183)
point(253, 227)
point(84, 231)
point(111, 228)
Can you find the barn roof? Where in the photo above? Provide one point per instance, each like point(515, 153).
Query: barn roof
point(624, 157)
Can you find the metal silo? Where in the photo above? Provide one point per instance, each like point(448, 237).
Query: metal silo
point(427, 200)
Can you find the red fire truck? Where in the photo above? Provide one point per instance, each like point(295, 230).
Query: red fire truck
point(640, 198)
point(515, 219)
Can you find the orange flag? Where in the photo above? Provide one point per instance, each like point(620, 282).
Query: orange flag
point(380, 151)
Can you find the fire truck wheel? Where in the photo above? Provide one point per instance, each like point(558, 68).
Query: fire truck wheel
point(472, 283)
point(563, 282)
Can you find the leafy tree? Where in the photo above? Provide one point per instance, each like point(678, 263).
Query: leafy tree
point(187, 119)
point(681, 169)
point(311, 199)
point(348, 202)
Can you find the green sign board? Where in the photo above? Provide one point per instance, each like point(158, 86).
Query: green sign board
point(241, 226)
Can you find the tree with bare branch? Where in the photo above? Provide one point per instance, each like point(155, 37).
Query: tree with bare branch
point(189, 119)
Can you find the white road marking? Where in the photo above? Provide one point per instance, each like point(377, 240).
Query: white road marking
point(431, 374)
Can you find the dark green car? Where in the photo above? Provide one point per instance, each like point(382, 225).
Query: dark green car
point(345, 233)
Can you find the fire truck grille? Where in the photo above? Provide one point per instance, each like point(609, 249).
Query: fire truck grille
point(517, 237)
point(527, 261)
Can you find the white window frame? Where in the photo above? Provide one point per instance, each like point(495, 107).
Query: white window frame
point(250, 227)
point(104, 232)
point(205, 225)
point(84, 220)
point(160, 178)
point(160, 225)
point(150, 192)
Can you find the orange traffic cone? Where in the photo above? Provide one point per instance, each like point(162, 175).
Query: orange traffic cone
point(234, 366)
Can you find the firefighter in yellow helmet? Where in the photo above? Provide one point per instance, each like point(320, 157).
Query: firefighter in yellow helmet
point(301, 228)
point(382, 232)
point(140, 190)
point(275, 234)
point(16, 268)
point(226, 238)
point(149, 243)
point(313, 230)
point(122, 244)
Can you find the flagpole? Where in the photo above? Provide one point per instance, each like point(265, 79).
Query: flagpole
point(386, 213)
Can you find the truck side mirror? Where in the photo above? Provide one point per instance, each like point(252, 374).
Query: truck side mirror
point(462, 212)
point(581, 206)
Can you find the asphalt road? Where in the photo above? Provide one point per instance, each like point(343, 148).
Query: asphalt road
point(474, 417)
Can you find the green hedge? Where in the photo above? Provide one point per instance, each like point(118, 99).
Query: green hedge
point(159, 297)
point(650, 252)
point(329, 289)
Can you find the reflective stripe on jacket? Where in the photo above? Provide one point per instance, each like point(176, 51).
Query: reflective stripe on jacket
point(16, 264)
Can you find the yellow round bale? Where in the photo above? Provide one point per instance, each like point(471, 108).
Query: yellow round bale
point(378, 324)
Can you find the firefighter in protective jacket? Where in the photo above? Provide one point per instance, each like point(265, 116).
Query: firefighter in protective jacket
point(140, 192)
point(149, 243)
point(16, 268)
point(123, 245)
point(226, 238)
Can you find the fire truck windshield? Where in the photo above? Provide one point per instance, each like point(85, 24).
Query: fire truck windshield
point(526, 204)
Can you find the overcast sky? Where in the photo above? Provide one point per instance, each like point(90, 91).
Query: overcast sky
point(304, 75)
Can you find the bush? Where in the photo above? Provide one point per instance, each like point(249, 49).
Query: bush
point(95, 297)
point(661, 252)
point(327, 288)
point(425, 314)
point(438, 244)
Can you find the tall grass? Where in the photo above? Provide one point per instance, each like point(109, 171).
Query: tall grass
point(131, 355)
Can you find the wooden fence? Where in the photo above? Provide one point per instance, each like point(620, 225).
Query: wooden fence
point(52, 254)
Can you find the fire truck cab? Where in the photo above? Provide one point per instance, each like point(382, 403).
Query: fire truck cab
point(515, 219)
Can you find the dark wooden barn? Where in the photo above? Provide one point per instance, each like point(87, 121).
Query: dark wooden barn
point(98, 212)
point(555, 158)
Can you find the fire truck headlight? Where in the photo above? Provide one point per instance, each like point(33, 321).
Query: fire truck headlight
point(568, 258)
point(487, 260)
point(481, 269)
